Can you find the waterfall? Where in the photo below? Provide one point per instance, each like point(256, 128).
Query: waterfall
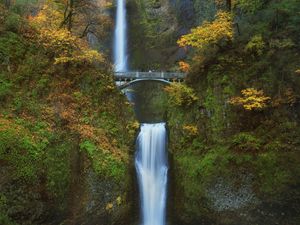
point(152, 166)
point(120, 41)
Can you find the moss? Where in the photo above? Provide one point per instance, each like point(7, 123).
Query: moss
point(5, 87)
point(246, 142)
point(46, 112)
point(21, 153)
point(104, 164)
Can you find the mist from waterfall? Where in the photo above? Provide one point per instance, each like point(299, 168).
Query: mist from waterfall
point(120, 38)
point(152, 167)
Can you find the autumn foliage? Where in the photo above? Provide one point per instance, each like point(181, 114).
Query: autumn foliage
point(67, 48)
point(184, 67)
point(251, 99)
point(209, 32)
point(180, 94)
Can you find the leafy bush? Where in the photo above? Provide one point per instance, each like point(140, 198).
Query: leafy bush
point(104, 163)
point(256, 45)
point(180, 94)
point(249, 5)
point(190, 130)
point(273, 176)
point(209, 32)
point(246, 142)
point(13, 22)
point(19, 150)
point(11, 48)
point(5, 88)
point(252, 99)
point(57, 163)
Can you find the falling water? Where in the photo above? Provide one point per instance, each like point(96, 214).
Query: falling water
point(120, 43)
point(151, 165)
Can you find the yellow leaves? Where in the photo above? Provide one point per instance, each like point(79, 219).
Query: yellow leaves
point(209, 32)
point(87, 56)
point(251, 99)
point(180, 94)
point(66, 47)
point(109, 206)
point(256, 45)
point(59, 40)
point(48, 17)
point(119, 200)
point(184, 67)
point(133, 127)
point(190, 130)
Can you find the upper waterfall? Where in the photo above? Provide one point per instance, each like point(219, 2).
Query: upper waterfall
point(120, 38)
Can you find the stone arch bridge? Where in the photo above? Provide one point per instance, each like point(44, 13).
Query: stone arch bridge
point(124, 79)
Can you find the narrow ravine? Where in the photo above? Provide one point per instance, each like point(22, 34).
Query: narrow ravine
point(151, 156)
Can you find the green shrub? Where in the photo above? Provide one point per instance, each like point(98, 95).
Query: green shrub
point(273, 177)
point(245, 142)
point(13, 22)
point(11, 48)
point(104, 163)
point(57, 163)
point(256, 45)
point(19, 150)
point(5, 88)
point(249, 5)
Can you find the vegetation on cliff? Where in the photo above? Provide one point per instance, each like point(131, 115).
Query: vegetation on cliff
point(60, 118)
point(243, 128)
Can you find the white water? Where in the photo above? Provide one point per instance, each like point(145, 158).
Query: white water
point(152, 166)
point(120, 40)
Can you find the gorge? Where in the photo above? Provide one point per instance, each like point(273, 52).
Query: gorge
point(218, 146)
point(151, 160)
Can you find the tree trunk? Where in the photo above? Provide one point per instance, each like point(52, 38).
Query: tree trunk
point(7, 3)
point(70, 15)
point(228, 4)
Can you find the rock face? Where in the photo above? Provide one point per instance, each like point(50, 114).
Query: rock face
point(155, 27)
point(103, 201)
point(89, 199)
point(152, 25)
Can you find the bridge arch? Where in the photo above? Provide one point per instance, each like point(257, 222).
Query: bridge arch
point(127, 84)
point(125, 79)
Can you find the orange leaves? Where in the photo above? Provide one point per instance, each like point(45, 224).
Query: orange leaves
point(184, 67)
point(251, 99)
point(288, 97)
point(209, 32)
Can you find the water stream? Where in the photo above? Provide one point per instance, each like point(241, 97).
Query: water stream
point(152, 166)
point(151, 156)
point(120, 39)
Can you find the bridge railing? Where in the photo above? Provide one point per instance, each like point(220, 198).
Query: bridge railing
point(150, 75)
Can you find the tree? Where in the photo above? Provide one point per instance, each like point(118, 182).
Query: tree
point(251, 99)
point(209, 33)
point(60, 42)
point(180, 95)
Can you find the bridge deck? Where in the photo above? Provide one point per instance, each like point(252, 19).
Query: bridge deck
point(120, 76)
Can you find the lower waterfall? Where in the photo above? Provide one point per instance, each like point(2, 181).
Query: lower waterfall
point(152, 167)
